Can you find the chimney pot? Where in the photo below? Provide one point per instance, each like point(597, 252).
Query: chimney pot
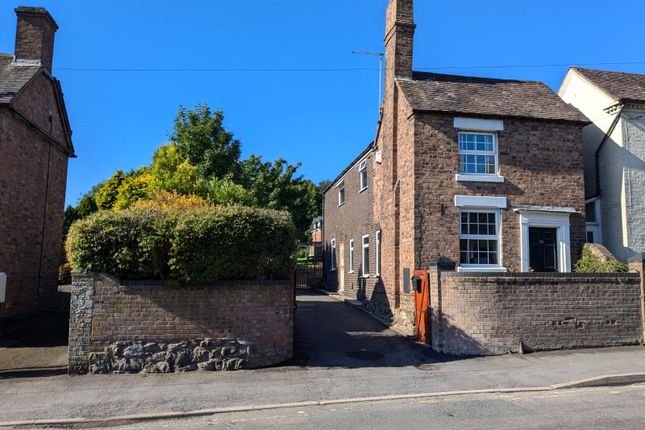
point(35, 34)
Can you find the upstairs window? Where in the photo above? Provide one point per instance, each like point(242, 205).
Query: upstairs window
point(479, 238)
point(362, 171)
point(341, 194)
point(477, 153)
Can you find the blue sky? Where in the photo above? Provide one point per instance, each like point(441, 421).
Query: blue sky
point(322, 119)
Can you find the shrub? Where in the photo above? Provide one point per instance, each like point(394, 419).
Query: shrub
point(233, 242)
point(198, 244)
point(171, 200)
point(127, 243)
point(590, 263)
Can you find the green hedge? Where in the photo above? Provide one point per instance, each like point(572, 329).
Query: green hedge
point(188, 246)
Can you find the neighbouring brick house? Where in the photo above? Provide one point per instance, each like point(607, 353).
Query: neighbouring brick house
point(35, 145)
point(485, 173)
point(614, 148)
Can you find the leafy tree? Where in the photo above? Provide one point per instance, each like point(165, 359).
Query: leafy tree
point(171, 172)
point(202, 140)
point(277, 186)
point(107, 193)
point(134, 187)
point(226, 192)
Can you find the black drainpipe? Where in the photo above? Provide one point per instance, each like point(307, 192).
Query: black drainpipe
point(604, 140)
point(42, 233)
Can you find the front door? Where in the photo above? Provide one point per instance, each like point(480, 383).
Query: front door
point(341, 267)
point(543, 249)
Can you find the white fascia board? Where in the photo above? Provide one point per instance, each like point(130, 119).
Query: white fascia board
point(481, 202)
point(479, 124)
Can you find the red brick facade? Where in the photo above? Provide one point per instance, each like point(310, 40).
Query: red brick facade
point(35, 146)
point(413, 186)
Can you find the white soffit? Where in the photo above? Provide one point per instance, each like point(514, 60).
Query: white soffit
point(479, 124)
point(481, 202)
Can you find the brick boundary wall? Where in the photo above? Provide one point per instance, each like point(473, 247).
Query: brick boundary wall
point(486, 314)
point(251, 322)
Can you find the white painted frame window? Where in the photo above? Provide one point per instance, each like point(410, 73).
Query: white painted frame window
point(377, 269)
point(478, 153)
point(333, 254)
point(479, 239)
point(365, 256)
point(351, 256)
point(341, 194)
point(362, 173)
point(557, 220)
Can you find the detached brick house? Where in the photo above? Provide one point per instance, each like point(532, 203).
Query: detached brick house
point(35, 145)
point(484, 173)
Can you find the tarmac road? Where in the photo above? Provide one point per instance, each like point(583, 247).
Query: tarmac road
point(607, 407)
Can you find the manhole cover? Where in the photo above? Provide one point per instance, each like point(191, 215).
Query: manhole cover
point(365, 355)
point(426, 367)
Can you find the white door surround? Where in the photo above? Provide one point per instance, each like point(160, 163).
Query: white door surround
point(547, 217)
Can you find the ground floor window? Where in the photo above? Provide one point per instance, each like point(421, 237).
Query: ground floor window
point(479, 238)
point(333, 254)
point(378, 253)
point(365, 260)
point(351, 256)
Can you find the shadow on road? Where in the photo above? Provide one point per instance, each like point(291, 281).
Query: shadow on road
point(330, 333)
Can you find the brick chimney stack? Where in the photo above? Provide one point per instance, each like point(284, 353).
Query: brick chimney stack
point(399, 38)
point(35, 36)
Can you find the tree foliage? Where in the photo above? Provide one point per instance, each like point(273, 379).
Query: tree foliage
point(203, 159)
point(202, 140)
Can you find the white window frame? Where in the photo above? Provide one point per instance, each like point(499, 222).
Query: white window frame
point(377, 263)
point(333, 255)
point(341, 191)
point(364, 246)
point(351, 256)
point(494, 152)
point(362, 170)
point(498, 237)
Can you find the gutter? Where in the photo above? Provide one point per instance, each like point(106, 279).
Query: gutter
point(602, 143)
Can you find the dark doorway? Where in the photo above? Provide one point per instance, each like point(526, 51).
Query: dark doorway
point(543, 251)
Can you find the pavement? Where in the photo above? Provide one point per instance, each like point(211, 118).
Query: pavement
point(343, 356)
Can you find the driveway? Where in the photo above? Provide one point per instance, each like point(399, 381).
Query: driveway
point(330, 333)
point(34, 346)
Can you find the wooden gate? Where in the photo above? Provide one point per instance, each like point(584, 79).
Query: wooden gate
point(421, 284)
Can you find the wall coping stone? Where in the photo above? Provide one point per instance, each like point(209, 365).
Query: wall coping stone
point(561, 276)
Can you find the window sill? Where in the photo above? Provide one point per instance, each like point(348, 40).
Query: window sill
point(365, 276)
point(491, 269)
point(342, 204)
point(351, 271)
point(361, 190)
point(479, 178)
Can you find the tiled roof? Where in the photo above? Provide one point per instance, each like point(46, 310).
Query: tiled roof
point(13, 77)
point(484, 96)
point(619, 85)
